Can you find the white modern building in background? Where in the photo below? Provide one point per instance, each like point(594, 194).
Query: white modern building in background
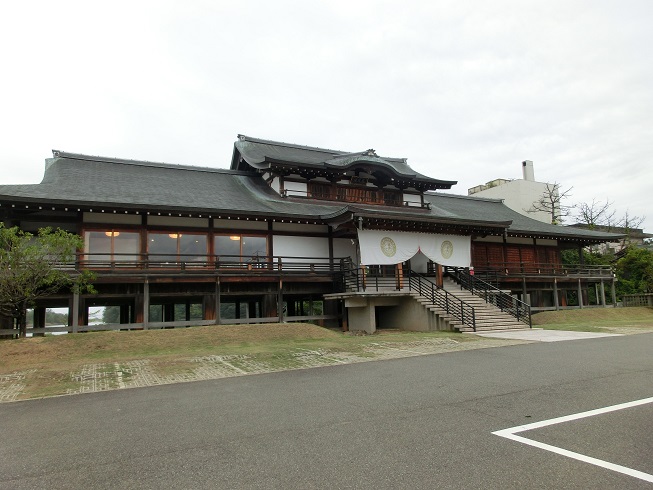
point(518, 194)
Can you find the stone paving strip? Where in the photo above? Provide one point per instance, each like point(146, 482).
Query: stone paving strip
point(140, 373)
point(12, 385)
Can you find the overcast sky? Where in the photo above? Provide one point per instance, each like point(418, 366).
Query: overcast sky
point(465, 90)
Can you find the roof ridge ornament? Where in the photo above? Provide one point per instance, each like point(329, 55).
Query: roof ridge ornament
point(370, 153)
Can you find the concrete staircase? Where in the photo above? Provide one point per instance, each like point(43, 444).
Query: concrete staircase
point(488, 316)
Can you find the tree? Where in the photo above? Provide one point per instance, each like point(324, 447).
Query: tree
point(635, 271)
point(596, 213)
point(551, 202)
point(35, 266)
point(627, 225)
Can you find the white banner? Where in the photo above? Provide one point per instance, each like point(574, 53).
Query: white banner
point(380, 247)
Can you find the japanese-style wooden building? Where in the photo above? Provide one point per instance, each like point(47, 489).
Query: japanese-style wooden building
point(290, 233)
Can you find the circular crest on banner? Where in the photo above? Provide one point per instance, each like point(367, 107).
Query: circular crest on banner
point(446, 249)
point(388, 246)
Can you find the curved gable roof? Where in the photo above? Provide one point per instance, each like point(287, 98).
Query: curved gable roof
point(262, 154)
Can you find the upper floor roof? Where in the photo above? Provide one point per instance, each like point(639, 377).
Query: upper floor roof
point(319, 162)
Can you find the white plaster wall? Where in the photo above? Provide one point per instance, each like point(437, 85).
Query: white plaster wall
point(301, 187)
point(275, 185)
point(300, 228)
point(412, 198)
point(519, 240)
point(546, 242)
point(178, 221)
point(344, 247)
point(490, 239)
point(301, 246)
point(239, 224)
point(519, 195)
point(112, 218)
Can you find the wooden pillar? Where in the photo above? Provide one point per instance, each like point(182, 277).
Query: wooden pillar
point(83, 315)
point(602, 293)
point(146, 304)
point(331, 248)
point(345, 317)
point(208, 307)
point(400, 276)
point(217, 301)
point(439, 278)
point(524, 290)
point(556, 300)
point(280, 301)
point(124, 314)
point(168, 312)
point(251, 309)
point(580, 295)
point(290, 308)
point(563, 299)
point(74, 312)
point(38, 320)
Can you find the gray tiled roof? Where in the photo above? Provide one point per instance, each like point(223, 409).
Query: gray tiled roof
point(80, 180)
point(86, 181)
point(493, 209)
point(257, 152)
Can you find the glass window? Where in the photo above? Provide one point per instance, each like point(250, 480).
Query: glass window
point(254, 248)
point(176, 247)
point(97, 245)
point(227, 248)
point(192, 248)
point(112, 245)
point(126, 246)
point(239, 248)
point(162, 247)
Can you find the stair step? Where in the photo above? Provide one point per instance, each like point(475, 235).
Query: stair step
point(488, 317)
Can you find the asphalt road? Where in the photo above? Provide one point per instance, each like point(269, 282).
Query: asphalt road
point(421, 422)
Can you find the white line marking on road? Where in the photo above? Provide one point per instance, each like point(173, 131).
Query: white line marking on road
point(510, 434)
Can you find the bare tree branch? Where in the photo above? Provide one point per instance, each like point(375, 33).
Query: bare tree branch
point(596, 213)
point(551, 202)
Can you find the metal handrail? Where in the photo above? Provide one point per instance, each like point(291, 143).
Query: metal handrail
point(456, 307)
point(493, 295)
point(354, 279)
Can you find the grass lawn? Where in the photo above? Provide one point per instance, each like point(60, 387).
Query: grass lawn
point(54, 364)
point(612, 320)
point(96, 361)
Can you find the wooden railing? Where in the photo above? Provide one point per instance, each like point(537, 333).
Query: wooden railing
point(504, 269)
point(377, 198)
point(644, 299)
point(189, 263)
